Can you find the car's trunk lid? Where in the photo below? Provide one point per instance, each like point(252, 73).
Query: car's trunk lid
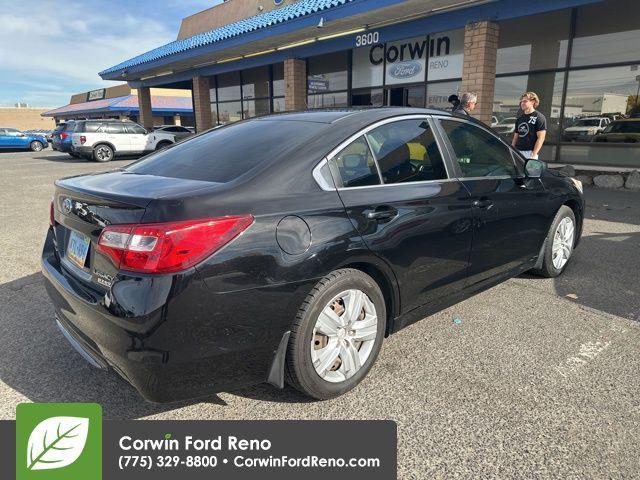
point(86, 204)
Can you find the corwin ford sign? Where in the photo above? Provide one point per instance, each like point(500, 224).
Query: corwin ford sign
point(405, 70)
point(407, 61)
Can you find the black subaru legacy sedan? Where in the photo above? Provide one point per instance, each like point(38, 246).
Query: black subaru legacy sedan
point(286, 247)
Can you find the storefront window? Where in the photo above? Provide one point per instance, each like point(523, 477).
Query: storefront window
point(439, 93)
point(368, 97)
point(214, 114)
point(278, 104)
point(522, 46)
point(446, 51)
point(327, 100)
point(607, 32)
point(598, 100)
point(278, 80)
point(255, 83)
point(368, 66)
point(229, 86)
point(327, 73)
point(229, 112)
point(506, 101)
point(212, 90)
point(254, 108)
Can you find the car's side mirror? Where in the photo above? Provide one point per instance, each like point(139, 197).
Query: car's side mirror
point(534, 168)
point(21, 134)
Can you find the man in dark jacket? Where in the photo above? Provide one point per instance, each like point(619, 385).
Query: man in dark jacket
point(467, 104)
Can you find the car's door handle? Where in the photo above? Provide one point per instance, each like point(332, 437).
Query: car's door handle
point(483, 203)
point(381, 213)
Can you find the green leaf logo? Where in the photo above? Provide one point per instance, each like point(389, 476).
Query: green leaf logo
point(56, 442)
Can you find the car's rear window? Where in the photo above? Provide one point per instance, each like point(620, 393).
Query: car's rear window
point(69, 127)
point(226, 153)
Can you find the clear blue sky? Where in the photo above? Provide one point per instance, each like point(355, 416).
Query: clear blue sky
point(50, 50)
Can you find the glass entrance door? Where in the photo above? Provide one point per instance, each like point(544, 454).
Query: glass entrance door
point(411, 96)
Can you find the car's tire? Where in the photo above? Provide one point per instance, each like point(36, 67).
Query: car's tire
point(559, 244)
point(315, 363)
point(162, 145)
point(36, 146)
point(103, 153)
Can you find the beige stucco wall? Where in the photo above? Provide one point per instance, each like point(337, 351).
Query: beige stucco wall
point(225, 13)
point(26, 118)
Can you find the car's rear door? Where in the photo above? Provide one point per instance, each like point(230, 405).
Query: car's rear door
point(510, 211)
point(394, 184)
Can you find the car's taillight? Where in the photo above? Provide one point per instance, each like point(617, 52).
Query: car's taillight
point(63, 135)
point(83, 139)
point(52, 217)
point(168, 247)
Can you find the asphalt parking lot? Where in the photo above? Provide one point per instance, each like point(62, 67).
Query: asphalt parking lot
point(540, 378)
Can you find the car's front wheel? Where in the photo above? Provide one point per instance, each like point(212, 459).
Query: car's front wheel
point(103, 153)
point(337, 334)
point(36, 146)
point(559, 244)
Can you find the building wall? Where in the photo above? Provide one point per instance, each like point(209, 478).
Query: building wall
point(225, 13)
point(26, 118)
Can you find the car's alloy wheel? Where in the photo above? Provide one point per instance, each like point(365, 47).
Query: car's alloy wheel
point(559, 243)
point(344, 335)
point(336, 335)
point(36, 146)
point(103, 153)
point(563, 243)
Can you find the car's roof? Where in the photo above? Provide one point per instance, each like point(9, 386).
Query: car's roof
point(357, 114)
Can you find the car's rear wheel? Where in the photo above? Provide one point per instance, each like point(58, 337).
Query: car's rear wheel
point(162, 145)
point(36, 146)
point(337, 334)
point(103, 153)
point(559, 244)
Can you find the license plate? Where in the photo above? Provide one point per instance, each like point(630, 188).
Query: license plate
point(78, 248)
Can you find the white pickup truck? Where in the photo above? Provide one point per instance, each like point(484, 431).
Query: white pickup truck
point(103, 140)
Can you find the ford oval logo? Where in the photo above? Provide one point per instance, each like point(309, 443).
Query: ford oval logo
point(403, 70)
point(67, 205)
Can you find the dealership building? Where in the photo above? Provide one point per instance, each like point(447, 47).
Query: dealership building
point(244, 58)
point(168, 106)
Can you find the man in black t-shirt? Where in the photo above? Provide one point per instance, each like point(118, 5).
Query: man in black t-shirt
point(531, 127)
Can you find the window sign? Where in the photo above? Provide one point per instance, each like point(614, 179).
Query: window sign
point(406, 60)
point(446, 50)
point(317, 83)
point(367, 70)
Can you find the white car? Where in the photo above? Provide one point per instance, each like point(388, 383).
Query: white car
point(103, 140)
point(506, 125)
point(585, 128)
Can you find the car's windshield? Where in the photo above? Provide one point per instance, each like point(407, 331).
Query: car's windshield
point(587, 123)
point(225, 153)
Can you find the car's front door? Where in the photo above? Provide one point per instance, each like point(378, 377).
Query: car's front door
point(511, 218)
point(138, 138)
point(14, 138)
point(394, 184)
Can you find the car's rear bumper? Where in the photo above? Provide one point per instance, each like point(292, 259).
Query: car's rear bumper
point(83, 150)
point(171, 337)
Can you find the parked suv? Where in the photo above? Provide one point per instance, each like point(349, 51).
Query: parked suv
point(102, 140)
point(62, 141)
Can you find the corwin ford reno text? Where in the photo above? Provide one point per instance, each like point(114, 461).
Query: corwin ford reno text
point(289, 246)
